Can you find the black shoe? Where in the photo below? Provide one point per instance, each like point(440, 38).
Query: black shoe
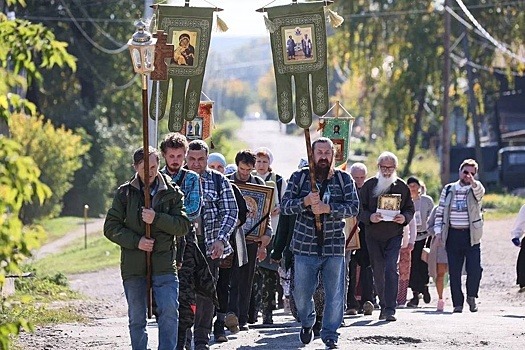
point(219, 333)
point(243, 327)
point(457, 309)
point(391, 318)
point(414, 302)
point(318, 325)
point(382, 315)
point(471, 301)
point(306, 335)
point(331, 344)
point(267, 318)
point(426, 296)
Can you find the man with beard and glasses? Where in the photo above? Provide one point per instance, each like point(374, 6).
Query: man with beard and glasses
point(459, 226)
point(383, 238)
point(315, 251)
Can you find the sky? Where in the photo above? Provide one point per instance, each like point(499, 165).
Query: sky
point(239, 15)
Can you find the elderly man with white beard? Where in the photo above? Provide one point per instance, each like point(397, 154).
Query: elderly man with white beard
point(383, 234)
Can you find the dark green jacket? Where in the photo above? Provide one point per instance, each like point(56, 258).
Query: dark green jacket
point(124, 226)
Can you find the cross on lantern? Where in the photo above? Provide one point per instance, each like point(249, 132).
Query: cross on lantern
point(163, 50)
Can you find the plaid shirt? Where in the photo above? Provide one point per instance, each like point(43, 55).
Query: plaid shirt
point(344, 202)
point(192, 192)
point(219, 211)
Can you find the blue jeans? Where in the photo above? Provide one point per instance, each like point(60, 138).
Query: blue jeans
point(166, 291)
point(307, 271)
point(383, 258)
point(460, 251)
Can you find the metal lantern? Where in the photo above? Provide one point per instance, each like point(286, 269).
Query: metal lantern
point(142, 49)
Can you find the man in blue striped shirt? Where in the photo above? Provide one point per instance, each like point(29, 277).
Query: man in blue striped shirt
point(315, 251)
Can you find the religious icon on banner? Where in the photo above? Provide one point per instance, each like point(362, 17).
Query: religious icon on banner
point(200, 127)
point(338, 130)
point(299, 58)
point(189, 31)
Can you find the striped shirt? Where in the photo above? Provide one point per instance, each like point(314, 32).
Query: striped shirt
point(342, 197)
point(458, 209)
point(219, 210)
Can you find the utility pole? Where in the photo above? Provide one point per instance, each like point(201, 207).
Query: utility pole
point(445, 131)
point(472, 108)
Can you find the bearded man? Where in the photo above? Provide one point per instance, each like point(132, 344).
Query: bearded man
point(320, 250)
point(383, 235)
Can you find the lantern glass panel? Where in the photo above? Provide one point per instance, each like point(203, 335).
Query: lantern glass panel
point(137, 61)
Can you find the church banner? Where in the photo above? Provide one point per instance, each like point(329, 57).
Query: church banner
point(189, 30)
point(298, 40)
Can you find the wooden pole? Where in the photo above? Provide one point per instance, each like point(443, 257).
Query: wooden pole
point(445, 131)
point(311, 166)
point(147, 204)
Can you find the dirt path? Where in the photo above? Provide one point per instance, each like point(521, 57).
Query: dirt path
point(93, 226)
point(500, 322)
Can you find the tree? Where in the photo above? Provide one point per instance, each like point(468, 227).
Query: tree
point(101, 96)
point(395, 48)
point(19, 175)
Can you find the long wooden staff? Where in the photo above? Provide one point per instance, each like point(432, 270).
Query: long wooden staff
point(147, 203)
point(311, 167)
point(163, 50)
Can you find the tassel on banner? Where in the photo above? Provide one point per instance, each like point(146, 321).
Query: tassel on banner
point(153, 24)
point(270, 26)
point(221, 25)
point(335, 19)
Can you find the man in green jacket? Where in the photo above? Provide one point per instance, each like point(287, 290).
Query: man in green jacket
point(125, 225)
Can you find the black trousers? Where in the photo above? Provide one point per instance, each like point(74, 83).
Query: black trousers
point(241, 285)
point(520, 265)
point(418, 268)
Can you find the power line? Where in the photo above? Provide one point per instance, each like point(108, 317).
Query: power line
point(62, 19)
point(112, 86)
point(461, 62)
point(486, 34)
point(89, 39)
point(403, 13)
point(100, 29)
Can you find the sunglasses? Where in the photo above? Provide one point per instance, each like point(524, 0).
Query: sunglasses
point(468, 173)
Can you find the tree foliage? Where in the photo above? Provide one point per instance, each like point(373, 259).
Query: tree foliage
point(394, 51)
point(57, 152)
point(20, 42)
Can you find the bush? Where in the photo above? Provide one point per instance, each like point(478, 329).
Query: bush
point(56, 151)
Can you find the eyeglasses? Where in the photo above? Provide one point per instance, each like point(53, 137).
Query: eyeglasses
point(468, 172)
point(387, 168)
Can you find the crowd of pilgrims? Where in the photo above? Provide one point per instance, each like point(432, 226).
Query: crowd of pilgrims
point(224, 272)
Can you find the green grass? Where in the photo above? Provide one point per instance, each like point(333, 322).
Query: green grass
point(501, 206)
point(100, 254)
point(39, 300)
point(58, 227)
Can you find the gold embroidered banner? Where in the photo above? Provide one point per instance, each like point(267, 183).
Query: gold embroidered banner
point(189, 30)
point(299, 57)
